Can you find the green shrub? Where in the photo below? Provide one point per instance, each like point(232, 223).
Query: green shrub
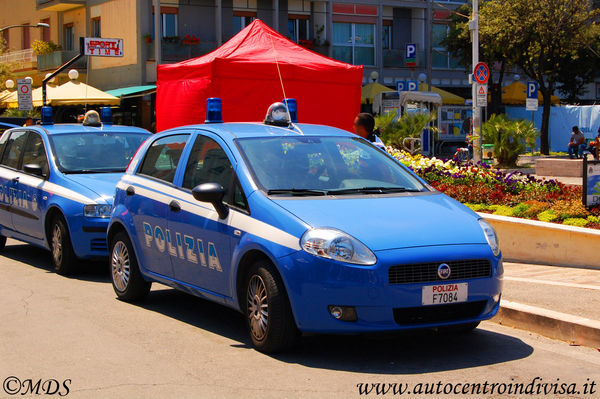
point(580, 222)
point(520, 210)
point(393, 131)
point(41, 47)
point(503, 210)
point(547, 216)
point(509, 137)
point(476, 207)
point(593, 219)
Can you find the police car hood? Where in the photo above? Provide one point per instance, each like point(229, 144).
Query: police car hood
point(96, 185)
point(392, 222)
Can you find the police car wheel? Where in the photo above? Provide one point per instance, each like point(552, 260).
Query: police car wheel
point(63, 257)
point(2, 242)
point(269, 316)
point(127, 280)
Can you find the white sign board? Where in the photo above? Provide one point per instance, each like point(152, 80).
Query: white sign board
point(592, 183)
point(531, 104)
point(24, 94)
point(482, 95)
point(103, 47)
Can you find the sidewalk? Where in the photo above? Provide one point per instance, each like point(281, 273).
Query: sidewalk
point(558, 302)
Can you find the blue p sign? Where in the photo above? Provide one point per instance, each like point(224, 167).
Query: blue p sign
point(411, 54)
point(412, 85)
point(401, 85)
point(532, 90)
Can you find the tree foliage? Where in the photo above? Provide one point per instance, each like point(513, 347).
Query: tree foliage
point(393, 131)
point(5, 68)
point(509, 137)
point(549, 40)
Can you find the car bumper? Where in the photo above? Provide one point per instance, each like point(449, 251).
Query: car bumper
point(88, 236)
point(313, 284)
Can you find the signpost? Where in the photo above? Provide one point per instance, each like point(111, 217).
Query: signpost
point(411, 55)
point(482, 95)
point(532, 103)
point(24, 94)
point(103, 47)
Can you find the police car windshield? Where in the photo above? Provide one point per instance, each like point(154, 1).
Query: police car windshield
point(308, 166)
point(90, 152)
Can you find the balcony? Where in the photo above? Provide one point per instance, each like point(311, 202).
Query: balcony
point(53, 60)
point(22, 59)
point(59, 5)
point(177, 51)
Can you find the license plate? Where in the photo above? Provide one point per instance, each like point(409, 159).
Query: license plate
point(445, 293)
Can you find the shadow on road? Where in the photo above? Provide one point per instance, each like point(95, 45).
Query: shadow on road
point(93, 271)
point(397, 353)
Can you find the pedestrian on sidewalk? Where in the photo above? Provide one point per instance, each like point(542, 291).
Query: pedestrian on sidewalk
point(576, 144)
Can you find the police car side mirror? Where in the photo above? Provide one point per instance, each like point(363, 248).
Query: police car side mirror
point(213, 193)
point(34, 169)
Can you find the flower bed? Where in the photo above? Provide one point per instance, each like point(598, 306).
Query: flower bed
point(485, 189)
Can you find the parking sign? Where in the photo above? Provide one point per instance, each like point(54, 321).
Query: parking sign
point(531, 104)
point(401, 85)
point(412, 85)
point(411, 54)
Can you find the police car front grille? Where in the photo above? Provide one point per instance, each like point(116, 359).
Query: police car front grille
point(438, 313)
point(98, 244)
point(427, 272)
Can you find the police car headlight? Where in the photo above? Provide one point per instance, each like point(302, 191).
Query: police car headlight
point(490, 236)
point(337, 245)
point(97, 211)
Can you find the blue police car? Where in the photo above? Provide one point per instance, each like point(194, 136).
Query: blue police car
point(303, 228)
point(57, 184)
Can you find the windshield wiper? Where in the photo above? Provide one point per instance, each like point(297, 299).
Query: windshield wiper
point(372, 190)
point(88, 171)
point(296, 191)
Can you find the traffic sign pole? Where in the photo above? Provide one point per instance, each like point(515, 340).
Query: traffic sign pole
point(476, 129)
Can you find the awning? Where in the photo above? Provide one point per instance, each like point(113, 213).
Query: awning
point(514, 94)
point(447, 97)
point(132, 91)
point(369, 91)
point(420, 97)
point(70, 93)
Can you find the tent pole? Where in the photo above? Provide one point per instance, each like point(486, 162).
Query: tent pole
point(157, 32)
point(276, 15)
point(219, 22)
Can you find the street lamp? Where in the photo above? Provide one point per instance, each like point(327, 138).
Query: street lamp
point(38, 25)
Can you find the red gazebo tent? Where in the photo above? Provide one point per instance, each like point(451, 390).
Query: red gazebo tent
point(245, 74)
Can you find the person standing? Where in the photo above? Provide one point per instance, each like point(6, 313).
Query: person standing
point(595, 145)
point(364, 126)
point(576, 144)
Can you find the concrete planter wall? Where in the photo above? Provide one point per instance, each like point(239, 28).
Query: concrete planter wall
point(532, 241)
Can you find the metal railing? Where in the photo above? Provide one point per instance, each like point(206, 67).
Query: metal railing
point(57, 58)
point(19, 56)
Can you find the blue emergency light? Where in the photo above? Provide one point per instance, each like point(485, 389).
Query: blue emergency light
point(292, 107)
point(214, 110)
point(46, 115)
point(106, 115)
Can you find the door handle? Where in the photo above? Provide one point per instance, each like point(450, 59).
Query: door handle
point(15, 179)
point(130, 190)
point(174, 206)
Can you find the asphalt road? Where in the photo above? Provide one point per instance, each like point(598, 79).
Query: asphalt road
point(178, 346)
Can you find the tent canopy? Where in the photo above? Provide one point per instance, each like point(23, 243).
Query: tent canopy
point(447, 97)
point(69, 93)
point(369, 91)
point(515, 94)
point(252, 71)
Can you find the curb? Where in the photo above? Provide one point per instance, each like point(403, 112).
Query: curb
point(573, 329)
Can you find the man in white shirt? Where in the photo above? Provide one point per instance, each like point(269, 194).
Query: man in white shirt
point(577, 143)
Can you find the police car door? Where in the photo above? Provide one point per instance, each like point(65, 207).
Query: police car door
point(12, 151)
point(204, 258)
point(28, 209)
point(148, 201)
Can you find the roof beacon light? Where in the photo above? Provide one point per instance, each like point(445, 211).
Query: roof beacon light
point(214, 110)
point(91, 118)
point(47, 115)
point(106, 115)
point(292, 108)
point(277, 115)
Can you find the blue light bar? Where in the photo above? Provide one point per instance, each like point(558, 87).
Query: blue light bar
point(47, 115)
point(106, 115)
point(292, 108)
point(214, 110)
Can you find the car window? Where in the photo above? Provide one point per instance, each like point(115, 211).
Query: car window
point(35, 153)
point(163, 156)
point(208, 163)
point(13, 150)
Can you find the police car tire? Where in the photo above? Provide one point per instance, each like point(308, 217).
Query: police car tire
point(282, 332)
point(67, 262)
point(2, 242)
point(137, 288)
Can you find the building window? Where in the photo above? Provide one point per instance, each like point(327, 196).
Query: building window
point(95, 27)
point(441, 56)
point(298, 29)
point(354, 43)
point(168, 20)
point(241, 20)
point(26, 36)
point(386, 37)
point(68, 37)
point(46, 31)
